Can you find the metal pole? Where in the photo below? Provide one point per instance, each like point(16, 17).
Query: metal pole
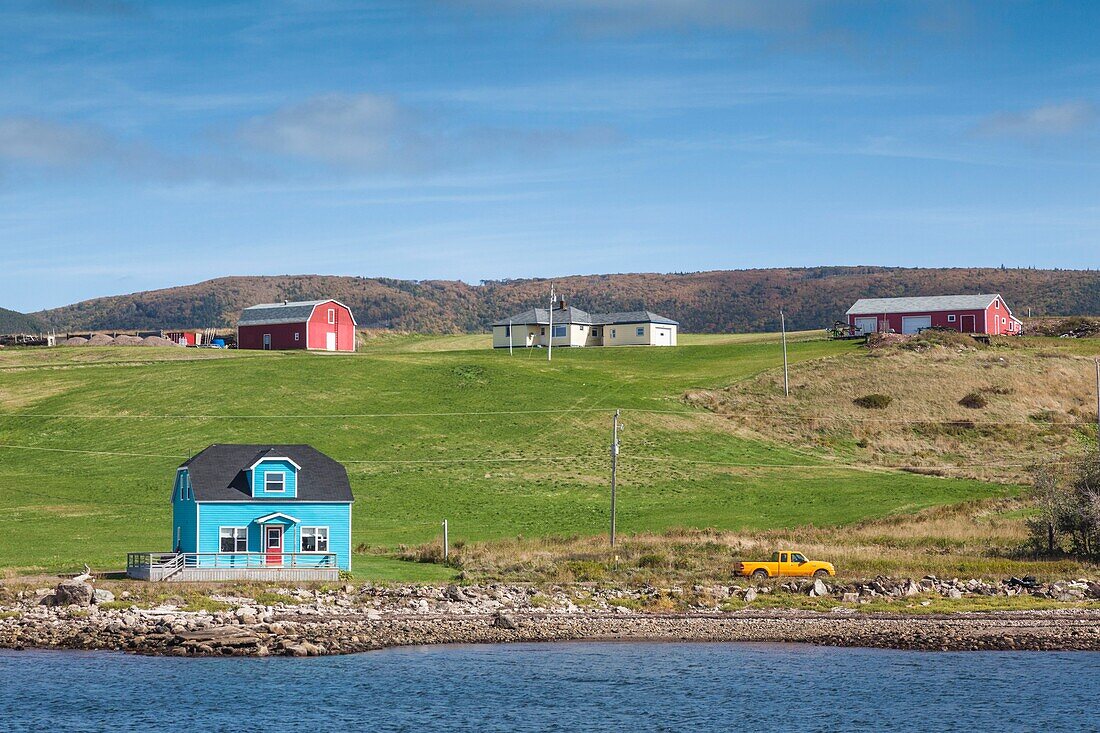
point(550, 339)
point(509, 337)
point(786, 378)
point(446, 549)
point(616, 426)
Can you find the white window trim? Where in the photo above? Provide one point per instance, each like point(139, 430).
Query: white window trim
point(639, 331)
point(239, 533)
point(950, 317)
point(332, 315)
point(297, 335)
point(268, 474)
point(302, 538)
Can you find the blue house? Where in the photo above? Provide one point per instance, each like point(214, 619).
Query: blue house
point(262, 512)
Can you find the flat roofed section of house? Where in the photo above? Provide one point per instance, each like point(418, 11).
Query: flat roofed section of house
point(219, 473)
point(923, 303)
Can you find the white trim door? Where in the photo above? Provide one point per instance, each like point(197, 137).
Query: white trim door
point(330, 341)
point(914, 324)
point(267, 342)
point(866, 325)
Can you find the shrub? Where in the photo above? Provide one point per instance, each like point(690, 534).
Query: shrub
point(586, 570)
point(974, 401)
point(874, 401)
point(652, 560)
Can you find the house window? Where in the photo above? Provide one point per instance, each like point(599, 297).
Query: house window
point(314, 539)
point(542, 331)
point(233, 539)
point(596, 332)
point(612, 333)
point(559, 331)
point(508, 331)
point(332, 315)
point(274, 481)
point(639, 331)
point(951, 318)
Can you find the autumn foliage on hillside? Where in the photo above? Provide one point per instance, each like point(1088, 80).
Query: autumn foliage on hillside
point(704, 302)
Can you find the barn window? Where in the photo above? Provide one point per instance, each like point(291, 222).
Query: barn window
point(997, 304)
point(233, 539)
point(332, 315)
point(314, 539)
point(951, 318)
point(275, 481)
point(296, 335)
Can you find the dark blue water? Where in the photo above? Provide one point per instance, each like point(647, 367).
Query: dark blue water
point(557, 687)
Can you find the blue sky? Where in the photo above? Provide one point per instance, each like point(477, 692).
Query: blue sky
point(149, 144)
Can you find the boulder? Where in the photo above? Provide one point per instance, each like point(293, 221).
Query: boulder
point(954, 594)
point(750, 595)
point(850, 598)
point(504, 621)
point(818, 589)
point(102, 596)
point(69, 593)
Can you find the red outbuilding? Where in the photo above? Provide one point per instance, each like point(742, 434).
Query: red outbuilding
point(318, 325)
point(984, 314)
point(185, 338)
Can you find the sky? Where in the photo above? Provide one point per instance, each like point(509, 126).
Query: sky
point(151, 144)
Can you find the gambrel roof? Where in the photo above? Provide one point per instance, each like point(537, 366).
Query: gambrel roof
point(220, 473)
point(269, 314)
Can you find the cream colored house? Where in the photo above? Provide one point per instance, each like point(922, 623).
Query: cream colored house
point(574, 327)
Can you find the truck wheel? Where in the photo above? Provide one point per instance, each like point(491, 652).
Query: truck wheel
point(760, 574)
point(821, 573)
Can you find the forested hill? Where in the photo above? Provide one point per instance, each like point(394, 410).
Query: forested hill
point(717, 301)
point(15, 322)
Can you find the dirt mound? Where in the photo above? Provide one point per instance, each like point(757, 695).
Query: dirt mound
point(128, 340)
point(101, 339)
point(1077, 327)
point(157, 341)
point(75, 341)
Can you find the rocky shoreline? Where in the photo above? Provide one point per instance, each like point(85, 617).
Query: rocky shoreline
point(306, 622)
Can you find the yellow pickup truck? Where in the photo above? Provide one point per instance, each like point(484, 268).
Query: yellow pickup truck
point(785, 564)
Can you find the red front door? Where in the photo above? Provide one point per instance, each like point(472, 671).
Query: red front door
point(273, 543)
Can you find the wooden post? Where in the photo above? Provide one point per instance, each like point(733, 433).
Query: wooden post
point(446, 549)
point(616, 426)
point(1098, 403)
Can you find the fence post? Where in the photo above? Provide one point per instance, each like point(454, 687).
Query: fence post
point(446, 549)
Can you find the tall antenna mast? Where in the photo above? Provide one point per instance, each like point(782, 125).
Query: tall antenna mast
point(550, 339)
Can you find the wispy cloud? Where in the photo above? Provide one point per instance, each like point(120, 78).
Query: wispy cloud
point(632, 16)
point(43, 142)
point(368, 132)
point(1045, 121)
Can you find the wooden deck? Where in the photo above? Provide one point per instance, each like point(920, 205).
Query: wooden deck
point(215, 566)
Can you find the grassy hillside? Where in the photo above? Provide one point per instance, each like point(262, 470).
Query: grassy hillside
point(990, 412)
point(15, 322)
point(704, 302)
point(501, 446)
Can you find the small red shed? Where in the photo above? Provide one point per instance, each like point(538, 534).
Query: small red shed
point(184, 338)
point(984, 314)
point(318, 325)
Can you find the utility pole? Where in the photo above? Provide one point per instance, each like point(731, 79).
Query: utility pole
point(550, 340)
point(786, 378)
point(616, 426)
point(509, 337)
point(446, 548)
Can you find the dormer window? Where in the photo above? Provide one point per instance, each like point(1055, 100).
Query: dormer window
point(274, 481)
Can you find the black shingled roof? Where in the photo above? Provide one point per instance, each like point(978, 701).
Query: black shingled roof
point(218, 473)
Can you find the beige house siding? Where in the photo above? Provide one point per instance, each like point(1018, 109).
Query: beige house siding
point(641, 333)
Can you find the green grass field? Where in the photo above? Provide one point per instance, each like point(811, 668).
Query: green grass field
point(429, 428)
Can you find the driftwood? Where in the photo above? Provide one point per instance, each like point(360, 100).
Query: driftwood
point(83, 577)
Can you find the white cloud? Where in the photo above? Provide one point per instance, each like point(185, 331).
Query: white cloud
point(1048, 120)
point(368, 132)
point(43, 142)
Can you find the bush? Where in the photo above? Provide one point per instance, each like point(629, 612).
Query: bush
point(974, 401)
point(651, 560)
point(874, 401)
point(586, 570)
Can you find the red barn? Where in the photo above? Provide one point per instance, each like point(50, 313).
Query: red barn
point(318, 325)
point(986, 314)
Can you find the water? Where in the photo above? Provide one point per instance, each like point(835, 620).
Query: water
point(557, 687)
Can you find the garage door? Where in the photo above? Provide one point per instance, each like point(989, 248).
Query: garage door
point(913, 324)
